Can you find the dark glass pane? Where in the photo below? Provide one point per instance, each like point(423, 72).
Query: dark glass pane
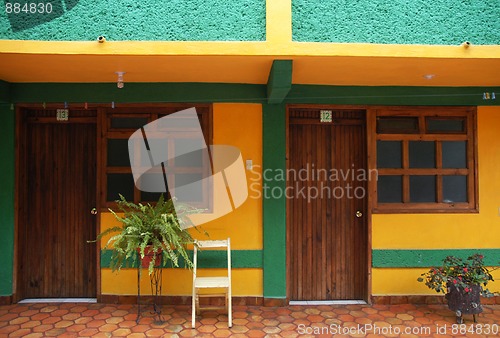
point(389, 154)
point(158, 148)
point(422, 154)
point(151, 196)
point(397, 125)
point(200, 118)
point(128, 122)
point(454, 154)
point(390, 189)
point(436, 125)
point(120, 184)
point(118, 153)
point(175, 122)
point(152, 181)
point(422, 189)
point(194, 157)
point(455, 189)
point(194, 193)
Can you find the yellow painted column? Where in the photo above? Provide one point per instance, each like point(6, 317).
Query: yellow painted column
point(279, 21)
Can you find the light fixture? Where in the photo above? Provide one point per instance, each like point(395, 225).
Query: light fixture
point(465, 44)
point(119, 81)
point(429, 76)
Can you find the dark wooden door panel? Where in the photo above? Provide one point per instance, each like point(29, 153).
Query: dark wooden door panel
point(60, 171)
point(327, 242)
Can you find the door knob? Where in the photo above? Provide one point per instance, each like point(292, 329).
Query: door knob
point(93, 211)
point(359, 214)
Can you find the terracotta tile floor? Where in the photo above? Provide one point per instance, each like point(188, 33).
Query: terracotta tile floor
point(104, 320)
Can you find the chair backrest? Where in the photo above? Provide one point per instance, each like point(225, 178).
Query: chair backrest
point(212, 244)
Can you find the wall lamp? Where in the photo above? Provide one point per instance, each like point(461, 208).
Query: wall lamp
point(119, 81)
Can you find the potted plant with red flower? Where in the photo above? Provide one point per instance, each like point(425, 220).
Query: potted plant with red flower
point(464, 281)
point(156, 234)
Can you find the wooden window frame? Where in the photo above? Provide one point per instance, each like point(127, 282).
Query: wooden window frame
point(152, 113)
point(470, 135)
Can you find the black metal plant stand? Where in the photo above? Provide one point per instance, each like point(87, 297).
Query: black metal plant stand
point(155, 284)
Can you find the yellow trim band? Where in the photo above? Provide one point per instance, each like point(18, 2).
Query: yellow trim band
point(280, 49)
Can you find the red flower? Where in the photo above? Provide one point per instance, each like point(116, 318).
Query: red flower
point(465, 269)
point(466, 289)
point(481, 256)
point(454, 281)
point(460, 277)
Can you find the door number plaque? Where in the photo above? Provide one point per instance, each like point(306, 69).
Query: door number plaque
point(325, 116)
point(62, 114)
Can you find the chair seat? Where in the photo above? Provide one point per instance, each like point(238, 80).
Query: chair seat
point(211, 282)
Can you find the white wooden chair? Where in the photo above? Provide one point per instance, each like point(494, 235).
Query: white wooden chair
point(211, 283)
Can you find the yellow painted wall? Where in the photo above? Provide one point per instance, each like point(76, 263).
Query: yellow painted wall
point(239, 125)
point(404, 282)
point(445, 231)
point(246, 282)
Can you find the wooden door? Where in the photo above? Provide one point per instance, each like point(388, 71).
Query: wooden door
point(327, 203)
point(58, 191)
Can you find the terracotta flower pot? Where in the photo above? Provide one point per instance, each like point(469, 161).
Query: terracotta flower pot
point(148, 257)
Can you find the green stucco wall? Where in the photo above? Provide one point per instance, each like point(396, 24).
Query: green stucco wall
point(413, 258)
point(440, 22)
point(7, 121)
point(172, 20)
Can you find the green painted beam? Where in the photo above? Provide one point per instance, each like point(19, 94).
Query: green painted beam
point(279, 81)
point(393, 95)
point(427, 258)
point(274, 209)
point(7, 121)
point(209, 259)
point(137, 92)
point(4, 92)
point(224, 92)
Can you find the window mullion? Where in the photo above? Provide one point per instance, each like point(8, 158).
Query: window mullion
point(471, 162)
point(421, 125)
point(406, 165)
point(439, 178)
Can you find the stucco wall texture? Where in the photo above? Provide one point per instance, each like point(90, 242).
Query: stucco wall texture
point(152, 20)
point(438, 22)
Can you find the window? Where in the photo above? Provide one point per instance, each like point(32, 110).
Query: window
point(119, 125)
point(425, 159)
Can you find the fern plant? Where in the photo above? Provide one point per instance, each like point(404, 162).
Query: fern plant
point(160, 228)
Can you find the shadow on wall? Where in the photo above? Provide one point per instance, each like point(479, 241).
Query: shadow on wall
point(24, 14)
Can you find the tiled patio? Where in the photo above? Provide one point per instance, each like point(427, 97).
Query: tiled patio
point(104, 320)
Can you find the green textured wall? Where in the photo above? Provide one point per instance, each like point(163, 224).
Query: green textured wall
point(440, 22)
point(7, 121)
point(426, 258)
point(172, 20)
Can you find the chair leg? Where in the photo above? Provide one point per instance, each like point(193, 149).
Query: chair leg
point(230, 310)
point(193, 311)
point(198, 312)
point(226, 304)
